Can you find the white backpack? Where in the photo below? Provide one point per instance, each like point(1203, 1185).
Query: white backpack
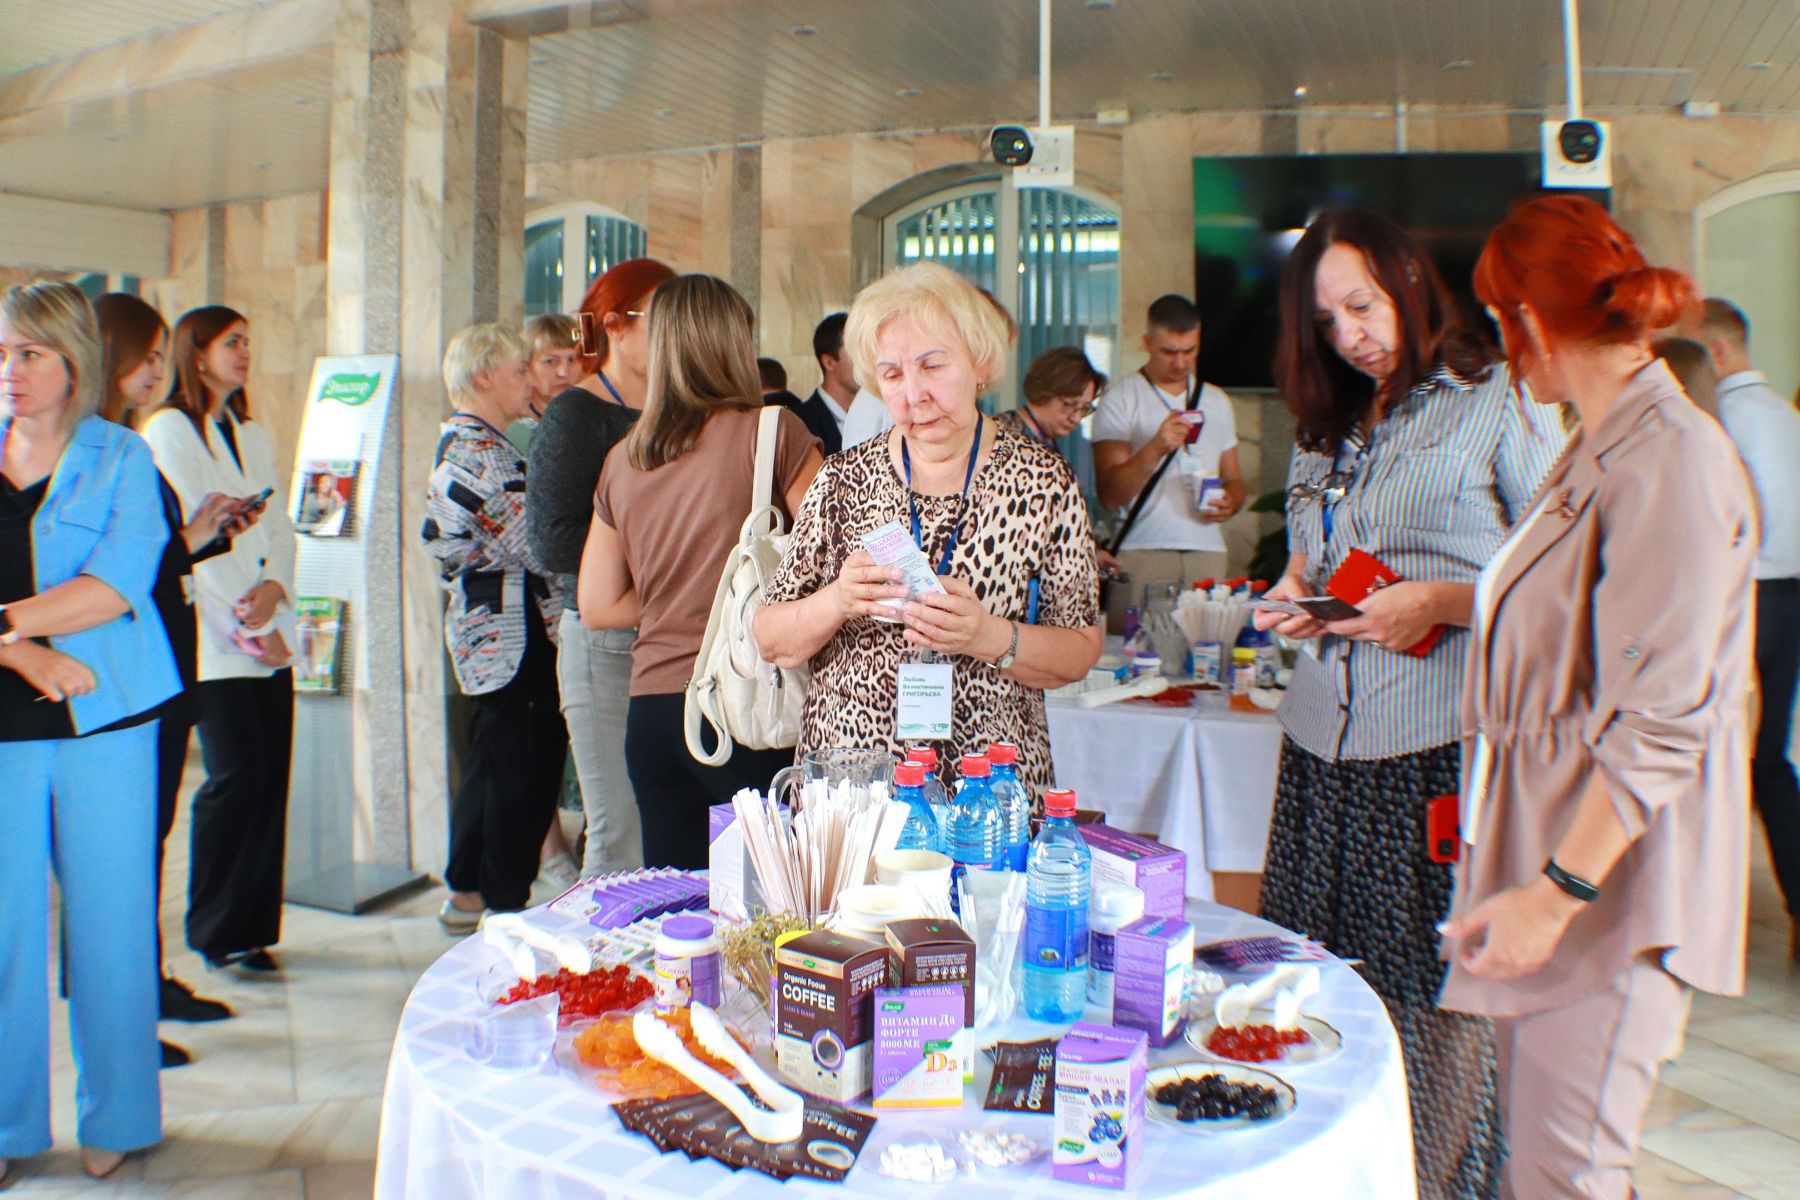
point(743, 698)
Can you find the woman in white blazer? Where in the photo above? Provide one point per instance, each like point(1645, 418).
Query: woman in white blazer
point(205, 442)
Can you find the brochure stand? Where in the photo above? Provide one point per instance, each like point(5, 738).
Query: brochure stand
point(348, 706)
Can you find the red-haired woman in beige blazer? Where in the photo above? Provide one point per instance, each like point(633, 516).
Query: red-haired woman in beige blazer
point(1605, 789)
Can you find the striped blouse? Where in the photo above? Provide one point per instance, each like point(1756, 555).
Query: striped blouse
point(1440, 482)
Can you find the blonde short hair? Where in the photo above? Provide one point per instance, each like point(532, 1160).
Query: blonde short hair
point(58, 317)
point(476, 349)
point(940, 300)
point(551, 331)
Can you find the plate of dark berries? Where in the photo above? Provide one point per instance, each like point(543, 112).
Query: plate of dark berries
point(1203, 1096)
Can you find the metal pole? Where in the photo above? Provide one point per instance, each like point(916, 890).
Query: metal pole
point(1044, 63)
point(1572, 55)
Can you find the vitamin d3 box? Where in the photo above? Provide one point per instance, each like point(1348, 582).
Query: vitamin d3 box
point(1099, 1115)
point(1150, 962)
point(927, 952)
point(1127, 860)
point(916, 1029)
point(824, 991)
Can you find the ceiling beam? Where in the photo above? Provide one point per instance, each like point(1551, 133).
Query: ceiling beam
point(56, 235)
point(219, 46)
point(534, 18)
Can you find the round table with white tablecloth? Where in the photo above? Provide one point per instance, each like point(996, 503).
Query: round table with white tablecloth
point(454, 1130)
point(1200, 778)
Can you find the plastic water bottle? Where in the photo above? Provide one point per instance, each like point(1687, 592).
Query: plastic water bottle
point(921, 829)
point(1014, 801)
point(1264, 656)
point(935, 795)
point(975, 834)
point(1056, 915)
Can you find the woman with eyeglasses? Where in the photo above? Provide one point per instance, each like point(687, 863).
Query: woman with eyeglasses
point(1412, 448)
point(1061, 391)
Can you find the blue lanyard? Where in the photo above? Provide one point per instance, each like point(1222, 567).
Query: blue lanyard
point(610, 388)
point(912, 501)
point(1037, 434)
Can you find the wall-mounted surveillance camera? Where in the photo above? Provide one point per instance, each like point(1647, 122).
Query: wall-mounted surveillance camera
point(1577, 154)
point(1011, 145)
point(1580, 141)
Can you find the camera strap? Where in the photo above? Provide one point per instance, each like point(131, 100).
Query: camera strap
point(1143, 496)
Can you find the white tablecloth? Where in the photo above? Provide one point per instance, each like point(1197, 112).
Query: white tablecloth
point(1201, 779)
point(452, 1130)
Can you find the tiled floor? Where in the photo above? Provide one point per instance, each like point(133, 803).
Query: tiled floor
point(283, 1102)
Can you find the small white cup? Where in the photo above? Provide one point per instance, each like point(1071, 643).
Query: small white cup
point(925, 872)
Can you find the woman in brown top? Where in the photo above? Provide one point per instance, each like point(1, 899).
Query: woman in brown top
point(672, 498)
point(998, 516)
point(1605, 793)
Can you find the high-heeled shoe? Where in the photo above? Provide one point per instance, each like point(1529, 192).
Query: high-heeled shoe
point(100, 1163)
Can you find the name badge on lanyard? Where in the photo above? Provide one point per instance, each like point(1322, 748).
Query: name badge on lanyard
point(923, 710)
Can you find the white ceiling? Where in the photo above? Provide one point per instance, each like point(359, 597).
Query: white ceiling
point(711, 72)
point(41, 31)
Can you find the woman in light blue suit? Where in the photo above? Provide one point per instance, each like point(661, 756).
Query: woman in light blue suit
point(84, 661)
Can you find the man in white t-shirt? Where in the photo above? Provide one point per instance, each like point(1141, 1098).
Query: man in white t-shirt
point(1143, 419)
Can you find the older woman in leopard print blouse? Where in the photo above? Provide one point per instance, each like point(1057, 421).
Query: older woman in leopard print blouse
point(994, 513)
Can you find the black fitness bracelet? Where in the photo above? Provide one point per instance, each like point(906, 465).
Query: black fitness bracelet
point(1574, 885)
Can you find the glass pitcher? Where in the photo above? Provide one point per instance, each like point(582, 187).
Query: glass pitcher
point(830, 767)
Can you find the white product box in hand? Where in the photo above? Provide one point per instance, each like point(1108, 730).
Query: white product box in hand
point(892, 545)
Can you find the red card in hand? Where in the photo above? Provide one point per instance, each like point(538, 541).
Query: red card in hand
point(1362, 575)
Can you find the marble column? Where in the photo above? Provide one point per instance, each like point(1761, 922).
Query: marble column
point(426, 236)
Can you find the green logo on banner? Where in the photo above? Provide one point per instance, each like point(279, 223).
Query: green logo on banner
point(350, 389)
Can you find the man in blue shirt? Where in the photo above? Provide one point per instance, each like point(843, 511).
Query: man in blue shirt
point(1766, 430)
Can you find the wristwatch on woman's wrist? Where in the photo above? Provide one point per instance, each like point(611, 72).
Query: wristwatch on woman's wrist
point(1012, 650)
point(9, 635)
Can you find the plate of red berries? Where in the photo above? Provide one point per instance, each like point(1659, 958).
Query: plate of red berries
point(1259, 1041)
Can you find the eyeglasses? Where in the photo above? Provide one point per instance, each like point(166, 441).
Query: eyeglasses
point(634, 313)
point(1330, 488)
point(1075, 405)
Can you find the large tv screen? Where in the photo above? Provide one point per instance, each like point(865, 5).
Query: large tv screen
point(1249, 213)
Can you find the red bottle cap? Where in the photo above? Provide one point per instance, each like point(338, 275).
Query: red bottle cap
point(1259, 586)
point(923, 754)
point(1203, 585)
point(975, 765)
point(1003, 754)
point(1060, 802)
point(909, 774)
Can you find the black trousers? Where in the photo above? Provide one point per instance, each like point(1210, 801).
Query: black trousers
point(171, 758)
point(673, 790)
point(511, 779)
point(1771, 774)
point(238, 828)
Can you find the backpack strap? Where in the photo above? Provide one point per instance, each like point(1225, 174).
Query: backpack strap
point(767, 435)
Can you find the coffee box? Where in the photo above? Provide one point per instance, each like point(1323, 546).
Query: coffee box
point(825, 987)
point(1126, 859)
point(1151, 958)
point(1099, 1117)
point(916, 1030)
point(928, 951)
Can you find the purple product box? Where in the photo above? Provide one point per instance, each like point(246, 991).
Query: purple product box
point(1150, 961)
point(916, 1035)
point(1099, 1107)
point(1127, 860)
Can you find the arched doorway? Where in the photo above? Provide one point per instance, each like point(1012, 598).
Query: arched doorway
point(568, 246)
point(1747, 239)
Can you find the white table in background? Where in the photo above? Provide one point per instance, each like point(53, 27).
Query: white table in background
point(453, 1130)
point(1201, 779)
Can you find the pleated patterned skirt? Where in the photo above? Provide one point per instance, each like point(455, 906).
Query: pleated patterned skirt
point(1348, 865)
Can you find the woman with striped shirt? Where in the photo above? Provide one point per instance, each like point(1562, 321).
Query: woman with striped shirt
point(1411, 448)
